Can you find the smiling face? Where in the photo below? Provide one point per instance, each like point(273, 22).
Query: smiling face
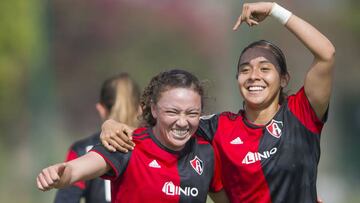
point(260, 83)
point(177, 115)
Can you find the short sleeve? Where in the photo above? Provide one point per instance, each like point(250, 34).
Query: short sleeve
point(117, 160)
point(300, 106)
point(208, 126)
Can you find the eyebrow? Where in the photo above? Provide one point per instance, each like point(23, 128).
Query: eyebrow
point(176, 109)
point(265, 61)
point(247, 63)
point(244, 64)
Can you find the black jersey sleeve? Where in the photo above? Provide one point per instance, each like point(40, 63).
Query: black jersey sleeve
point(70, 194)
point(208, 126)
point(117, 160)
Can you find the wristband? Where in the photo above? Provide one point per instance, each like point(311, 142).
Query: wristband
point(280, 13)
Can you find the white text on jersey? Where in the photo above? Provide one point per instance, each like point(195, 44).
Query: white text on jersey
point(252, 157)
point(170, 189)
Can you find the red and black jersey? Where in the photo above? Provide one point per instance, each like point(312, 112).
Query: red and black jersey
point(154, 173)
point(93, 191)
point(276, 162)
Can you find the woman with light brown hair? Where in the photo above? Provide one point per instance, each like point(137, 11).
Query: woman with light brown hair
point(119, 100)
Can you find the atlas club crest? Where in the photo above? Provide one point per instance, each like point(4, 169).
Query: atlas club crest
point(197, 164)
point(275, 128)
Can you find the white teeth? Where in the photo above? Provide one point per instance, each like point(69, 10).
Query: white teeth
point(180, 132)
point(255, 88)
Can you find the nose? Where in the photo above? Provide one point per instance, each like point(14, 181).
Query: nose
point(182, 121)
point(254, 74)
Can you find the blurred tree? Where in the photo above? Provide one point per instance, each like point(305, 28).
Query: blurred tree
point(26, 93)
point(18, 41)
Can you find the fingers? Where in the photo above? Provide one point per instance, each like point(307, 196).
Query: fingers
point(54, 176)
point(245, 17)
point(120, 136)
point(50, 177)
point(241, 18)
point(108, 146)
point(44, 180)
point(42, 184)
point(117, 137)
point(47, 174)
point(128, 131)
point(117, 141)
point(125, 136)
point(118, 147)
point(248, 15)
point(105, 138)
point(252, 22)
point(238, 23)
point(252, 14)
point(39, 184)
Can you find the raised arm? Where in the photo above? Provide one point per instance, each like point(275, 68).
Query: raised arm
point(319, 77)
point(61, 175)
point(318, 80)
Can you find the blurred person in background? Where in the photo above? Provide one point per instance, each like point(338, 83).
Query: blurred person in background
point(270, 150)
point(170, 162)
point(120, 101)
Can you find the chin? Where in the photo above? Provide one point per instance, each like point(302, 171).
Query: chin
point(179, 144)
point(255, 101)
point(254, 104)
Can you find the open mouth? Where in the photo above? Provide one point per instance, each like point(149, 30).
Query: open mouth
point(255, 88)
point(180, 133)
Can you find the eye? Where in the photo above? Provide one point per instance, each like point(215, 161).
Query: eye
point(170, 112)
point(244, 70)
point(194, 114)
point(265, 68)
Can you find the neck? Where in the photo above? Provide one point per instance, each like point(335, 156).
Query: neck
point(157, 135)
point(261, 116)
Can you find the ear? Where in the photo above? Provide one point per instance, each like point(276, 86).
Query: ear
point(284, 81)
point(153, 110)
point(103, 112)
